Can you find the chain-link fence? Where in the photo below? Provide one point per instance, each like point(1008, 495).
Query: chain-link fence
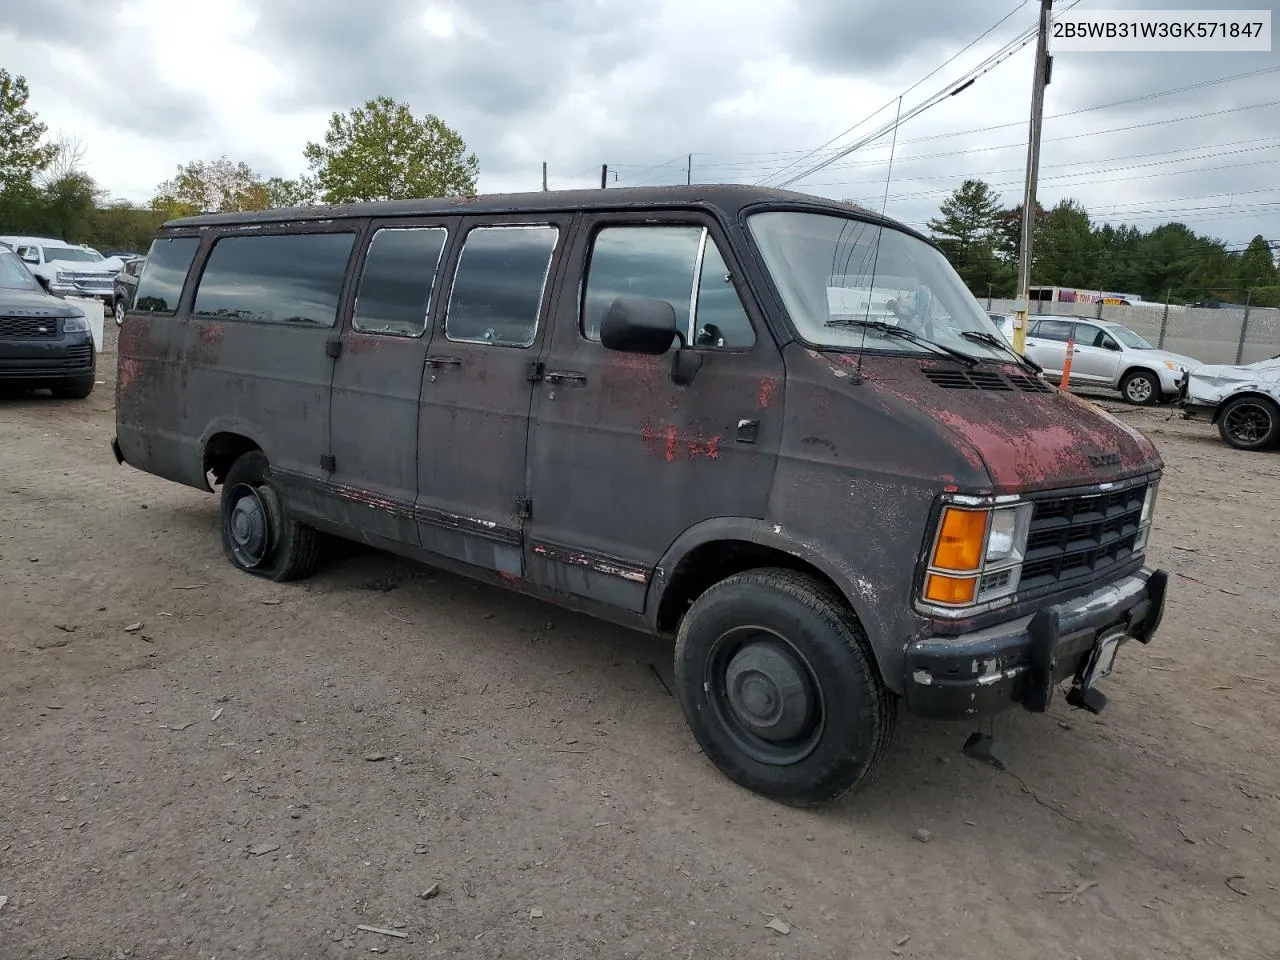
point(1225, 335)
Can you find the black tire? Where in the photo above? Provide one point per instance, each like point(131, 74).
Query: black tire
point(1249, 423)
point(261, 538)
point(1141, 388)
point(77, 391)
point(780, 631)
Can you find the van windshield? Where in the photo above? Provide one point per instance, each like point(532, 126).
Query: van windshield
point(835, 274)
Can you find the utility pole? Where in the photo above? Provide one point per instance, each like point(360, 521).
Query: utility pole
point(688, 170)
point(544, 175)
point(1023, 302)
point(604, 175)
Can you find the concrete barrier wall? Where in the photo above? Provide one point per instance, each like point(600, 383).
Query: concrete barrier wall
point(1210, 336)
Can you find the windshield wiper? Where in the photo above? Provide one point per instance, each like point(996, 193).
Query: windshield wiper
point(904, 334)
point(980, 336)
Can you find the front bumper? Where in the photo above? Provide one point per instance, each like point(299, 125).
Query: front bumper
point(90, 290)
point(1020, 662)
point(55, 360)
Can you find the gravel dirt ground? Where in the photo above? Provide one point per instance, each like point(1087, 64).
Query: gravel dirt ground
point(199, 764)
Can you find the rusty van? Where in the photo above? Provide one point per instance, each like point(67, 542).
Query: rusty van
point(775, 427)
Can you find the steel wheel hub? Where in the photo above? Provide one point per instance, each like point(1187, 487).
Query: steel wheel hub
point(250, 525)
point(769, 691)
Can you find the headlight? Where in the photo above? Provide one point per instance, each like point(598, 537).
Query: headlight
point(1174, 366)
point(977, 555)
point(61, 276)
point(77, 324)
point(1144, 520)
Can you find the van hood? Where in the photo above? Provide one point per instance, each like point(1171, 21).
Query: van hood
point(1022, 432)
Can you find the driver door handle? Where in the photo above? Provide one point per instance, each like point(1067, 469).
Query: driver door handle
point(565, 376)
point(434, 362)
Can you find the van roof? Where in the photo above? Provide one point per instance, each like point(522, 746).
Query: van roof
point(726, 198)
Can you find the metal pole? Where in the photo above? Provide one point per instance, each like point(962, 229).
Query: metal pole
point(688, 170)
point(1244, 327)
point(544, 175)
point(604, 175)
point(1164, 320)
point(1040, 81)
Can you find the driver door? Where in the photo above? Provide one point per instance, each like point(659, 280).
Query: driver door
point(1097, 356)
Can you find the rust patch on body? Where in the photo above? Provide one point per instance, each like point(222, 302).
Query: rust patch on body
point(669, 442)
point(768, 389)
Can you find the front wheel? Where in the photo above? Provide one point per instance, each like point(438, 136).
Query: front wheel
point(1141, 388)
point(118, 310)
point(258, 535)
point(780, 688)
point(1249, 423)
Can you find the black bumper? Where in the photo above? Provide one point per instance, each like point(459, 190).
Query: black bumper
point(1020, 662)
point(60, 360)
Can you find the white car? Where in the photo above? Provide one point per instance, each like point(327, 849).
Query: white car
point(1106, 355)
point(65, 269)
point(1243, 401)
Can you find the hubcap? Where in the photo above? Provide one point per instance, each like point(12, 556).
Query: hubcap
point(250, 526)
point(1248, 424)
point(1139, 389)
point(764, 696)
point(119, 314)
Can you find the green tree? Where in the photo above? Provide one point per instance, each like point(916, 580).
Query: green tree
point(1064, 250)
point(282, 192)
point(1256, 267)
point(22, 155)
point(381, 151)
point(219, 186)
point(968, 219)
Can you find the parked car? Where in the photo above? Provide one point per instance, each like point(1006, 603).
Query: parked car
point(1244, 402)
point(66, 269)
point(1106, 355)
point(776, 427)
point(44, 340)
point(124, 286)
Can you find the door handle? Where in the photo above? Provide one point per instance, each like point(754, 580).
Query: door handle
point(434, 362)
point(565, 376)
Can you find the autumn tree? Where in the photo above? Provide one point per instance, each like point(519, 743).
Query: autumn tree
point(22, 155)
point(381, 151)
point(219, 186)
point(282, 192)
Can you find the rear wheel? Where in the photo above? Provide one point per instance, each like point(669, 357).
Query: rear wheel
point(118, 310)
point(258, 535)
point(1249, 423)
point(780, 688)
point(1141, 387)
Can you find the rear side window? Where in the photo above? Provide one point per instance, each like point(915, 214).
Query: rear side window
point(399, 273)
point(660, 263)
point(1054, 330)
point(281, 278)
point(497, 290)
point(163, 273)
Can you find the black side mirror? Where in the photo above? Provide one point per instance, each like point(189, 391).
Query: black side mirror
point(1111, 344)
point(638, 325)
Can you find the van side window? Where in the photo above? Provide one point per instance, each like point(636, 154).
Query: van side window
point(498, 286)
point(277, 278)
point(1059, 330)
point(395, 287)
point(660, 263)
point(163, 274)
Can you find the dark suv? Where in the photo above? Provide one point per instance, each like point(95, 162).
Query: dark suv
point(44, 340)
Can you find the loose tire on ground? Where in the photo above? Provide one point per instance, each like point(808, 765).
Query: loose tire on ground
point(258, 535)
point(780, 687)
point(1249, 423)
point(1141, 388)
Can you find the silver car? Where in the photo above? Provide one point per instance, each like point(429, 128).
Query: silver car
point(1106, 355)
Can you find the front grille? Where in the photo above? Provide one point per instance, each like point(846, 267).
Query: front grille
point(80, 355)
point(45, 328)
point(1081, 537)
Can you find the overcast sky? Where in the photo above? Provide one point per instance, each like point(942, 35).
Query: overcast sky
point(746, 86)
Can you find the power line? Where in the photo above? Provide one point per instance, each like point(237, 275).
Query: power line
point(898, 98)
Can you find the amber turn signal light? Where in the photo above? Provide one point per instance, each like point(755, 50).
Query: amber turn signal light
point(960, 539)
point(943, 589)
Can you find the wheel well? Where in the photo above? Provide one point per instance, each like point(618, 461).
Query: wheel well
point(224, 449)
point(1255, 394)
point(1140, 369)
point(706, 565)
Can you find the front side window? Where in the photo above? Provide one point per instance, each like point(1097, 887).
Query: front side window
point(163, 274)
point(661, 263)
point(1087, 335)
point(499, 283)
point(843, 281)
point(395, 287)
point(281, 278)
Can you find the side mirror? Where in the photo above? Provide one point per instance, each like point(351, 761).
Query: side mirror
point(31, 258)
point(1111, 344)
point(638, 325)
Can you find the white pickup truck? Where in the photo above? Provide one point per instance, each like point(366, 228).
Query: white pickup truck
point(65, 269)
